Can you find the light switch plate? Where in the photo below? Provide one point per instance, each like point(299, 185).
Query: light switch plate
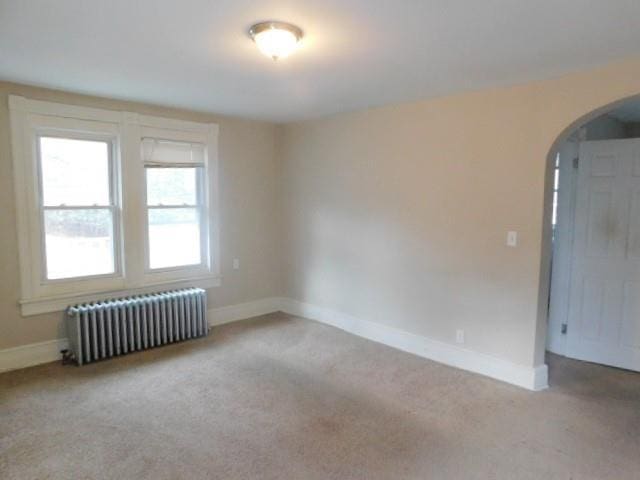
point(236, 263)
point(512, 239)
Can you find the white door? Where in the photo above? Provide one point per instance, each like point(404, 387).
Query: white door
point(604, 306)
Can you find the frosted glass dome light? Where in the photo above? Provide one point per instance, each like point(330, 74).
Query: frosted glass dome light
point(276, 39)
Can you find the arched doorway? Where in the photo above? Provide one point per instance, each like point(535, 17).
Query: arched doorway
point(592, 219)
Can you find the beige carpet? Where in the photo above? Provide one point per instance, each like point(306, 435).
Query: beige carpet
point(279, 397)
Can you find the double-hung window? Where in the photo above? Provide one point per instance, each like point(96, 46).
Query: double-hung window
point(175, 204)
point(111, 203)
point(78, 207)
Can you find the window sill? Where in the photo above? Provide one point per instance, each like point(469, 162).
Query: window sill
point(59, 303)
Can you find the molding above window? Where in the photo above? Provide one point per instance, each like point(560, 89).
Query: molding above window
point(28, 117)
point(41, 107)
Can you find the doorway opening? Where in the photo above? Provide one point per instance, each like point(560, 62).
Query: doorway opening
point(594, 299)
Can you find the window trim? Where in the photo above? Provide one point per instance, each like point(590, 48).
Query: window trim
point(26, 127)
point(28, 116)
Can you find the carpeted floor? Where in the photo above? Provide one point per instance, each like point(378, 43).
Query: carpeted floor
point(278, 397)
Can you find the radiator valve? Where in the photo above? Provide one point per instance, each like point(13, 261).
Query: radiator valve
point(67, 357)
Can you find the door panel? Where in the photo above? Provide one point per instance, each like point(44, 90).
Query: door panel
point(636, 162)
point(603, 165)
point(592, 308)
point(633, 250)
point(630, 327)
point(599, 222)
point(604, 305)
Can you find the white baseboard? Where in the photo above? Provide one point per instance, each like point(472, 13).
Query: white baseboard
point(232, 313)
point(32, 354)
point(532, 378)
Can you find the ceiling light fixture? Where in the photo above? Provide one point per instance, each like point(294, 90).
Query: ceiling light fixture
point(276, 39)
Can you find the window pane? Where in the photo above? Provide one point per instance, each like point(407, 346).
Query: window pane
point(74, 172)
point(78, 243)
point(174, 237)
point(171, 186)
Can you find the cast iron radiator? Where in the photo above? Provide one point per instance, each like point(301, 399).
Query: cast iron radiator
point(108, 328)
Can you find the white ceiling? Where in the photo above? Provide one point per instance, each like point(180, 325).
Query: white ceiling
point(356, 53)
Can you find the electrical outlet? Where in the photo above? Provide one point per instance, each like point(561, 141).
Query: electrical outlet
point(236, 263)
point(459, 336)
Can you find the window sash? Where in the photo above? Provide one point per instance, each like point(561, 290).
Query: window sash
point(113, 214)
point(78, 207)
point(113, 206)
point(200, 172)
point(185, 266)
point(199, 206)
point(81, 136)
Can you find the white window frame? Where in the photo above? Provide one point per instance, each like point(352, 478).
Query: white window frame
point(31, 119)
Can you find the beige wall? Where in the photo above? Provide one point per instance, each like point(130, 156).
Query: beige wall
point(399, 215)
point(249, 210)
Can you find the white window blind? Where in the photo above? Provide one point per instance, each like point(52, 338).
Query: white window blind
point(168, 153)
